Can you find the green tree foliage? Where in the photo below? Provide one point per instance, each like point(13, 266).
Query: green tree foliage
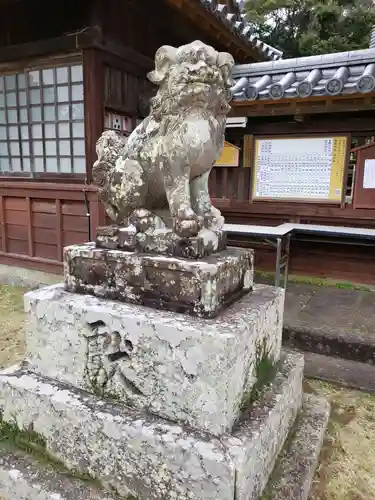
point(308, 27)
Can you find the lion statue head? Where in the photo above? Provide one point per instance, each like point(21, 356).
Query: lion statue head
point(194, 75)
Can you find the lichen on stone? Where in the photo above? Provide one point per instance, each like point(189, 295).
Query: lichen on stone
point(164, 165)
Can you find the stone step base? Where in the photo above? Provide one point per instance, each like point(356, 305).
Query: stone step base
point(148, 457)
point(23, 478)
point(296, 465)
point(328, 341)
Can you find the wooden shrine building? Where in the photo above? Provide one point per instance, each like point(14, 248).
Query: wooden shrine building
point(306, 137)
point(68, 70)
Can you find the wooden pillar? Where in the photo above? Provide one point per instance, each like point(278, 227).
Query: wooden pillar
point(247, 158)
point(93, 84)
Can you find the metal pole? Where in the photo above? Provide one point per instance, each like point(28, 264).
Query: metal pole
point(278, 259)
point(287, 253)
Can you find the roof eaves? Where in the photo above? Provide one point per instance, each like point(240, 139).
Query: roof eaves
point(324, 75)
point(239, 25)
point(365, 56)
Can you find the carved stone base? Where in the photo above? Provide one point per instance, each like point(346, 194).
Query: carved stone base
point(190, 370)
point(202, 288)
point(161, 241)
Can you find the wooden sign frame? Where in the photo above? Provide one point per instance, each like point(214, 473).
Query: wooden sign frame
point(363, 197)
point(341, 202)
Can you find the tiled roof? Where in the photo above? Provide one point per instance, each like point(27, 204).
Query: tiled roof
point(324, 75)
point(240, 27)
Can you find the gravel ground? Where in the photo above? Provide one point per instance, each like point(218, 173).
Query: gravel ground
point(347, 464)
point(12, 317)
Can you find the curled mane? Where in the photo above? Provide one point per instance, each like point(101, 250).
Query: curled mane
point(167, 103)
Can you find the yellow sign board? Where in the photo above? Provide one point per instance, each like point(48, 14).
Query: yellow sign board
point(304, 168)
point(230, 157)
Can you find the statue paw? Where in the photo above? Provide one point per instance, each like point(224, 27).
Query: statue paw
point(144, 220)
point(187, 223)
point(214, 220)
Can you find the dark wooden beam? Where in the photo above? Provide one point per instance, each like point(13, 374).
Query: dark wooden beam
point(62, 44)
point(85, 39)
point(124, 53)
point(331, 124)
point(355, 102)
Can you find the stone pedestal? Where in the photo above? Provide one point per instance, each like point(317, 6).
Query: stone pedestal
point(176, 366)
point(199, 287)
point(155, 405)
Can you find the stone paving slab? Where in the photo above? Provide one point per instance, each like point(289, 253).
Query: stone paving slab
point(352, 374)
point(331, 321)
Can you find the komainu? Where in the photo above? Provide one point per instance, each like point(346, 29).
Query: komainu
point(165, 163)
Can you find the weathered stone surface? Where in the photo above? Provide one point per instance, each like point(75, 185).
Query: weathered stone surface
point(166, 161)
point(22, 478)
point(200, 287)
point(161, 241)
point(151, 458)
point(293, 474)
point(187, 369)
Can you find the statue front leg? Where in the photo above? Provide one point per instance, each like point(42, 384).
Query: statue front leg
point(177, 187)
point(201, 202)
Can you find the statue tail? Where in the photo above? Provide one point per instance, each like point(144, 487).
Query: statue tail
point(108, 148)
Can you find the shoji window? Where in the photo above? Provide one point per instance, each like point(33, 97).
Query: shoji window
point(42, 121)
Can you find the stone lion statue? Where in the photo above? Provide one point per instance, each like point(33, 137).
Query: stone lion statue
point(165, 163)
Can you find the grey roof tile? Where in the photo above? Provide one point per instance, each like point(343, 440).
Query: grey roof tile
point(361, 54)
point(328, 74)
point(237, 23)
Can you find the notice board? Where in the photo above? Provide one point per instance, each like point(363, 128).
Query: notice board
point(302, 168)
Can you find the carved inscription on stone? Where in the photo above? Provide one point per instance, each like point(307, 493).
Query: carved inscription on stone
point(105, 350)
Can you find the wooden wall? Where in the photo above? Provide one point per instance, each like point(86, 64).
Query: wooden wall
point(38, 219)
point(326, 258)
